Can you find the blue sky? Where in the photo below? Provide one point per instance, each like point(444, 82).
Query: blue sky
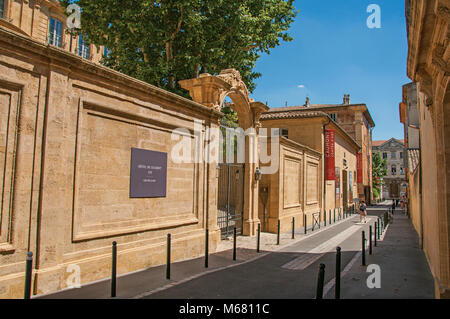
point(334, 53)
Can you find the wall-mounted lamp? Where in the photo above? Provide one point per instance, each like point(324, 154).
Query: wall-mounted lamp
point(237, 174)
point(258, 174)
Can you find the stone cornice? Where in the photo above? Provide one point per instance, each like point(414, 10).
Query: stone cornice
point(291, 143)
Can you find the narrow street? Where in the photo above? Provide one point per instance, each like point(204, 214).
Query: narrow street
point(291, 272)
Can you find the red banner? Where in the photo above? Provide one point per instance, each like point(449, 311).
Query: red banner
point(360, 169)
point(330, 139)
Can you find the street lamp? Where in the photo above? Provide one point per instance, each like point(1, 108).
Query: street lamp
point(258, 174)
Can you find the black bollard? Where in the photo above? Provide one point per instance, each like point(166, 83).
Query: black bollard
point(334, 217)
point(330, 217)
point(376, 231)
point(325, 218)
point(379, 226)
point(293, 227)
point(28, 275)
point(370, 240)
point(207, 249)
point(363, 248)
point(337, 286)
point(114, 270)
point(306, 224)
point(320, 282)
point(168, 256)
point(258, 243)
point(234, 243)
point(278, 233)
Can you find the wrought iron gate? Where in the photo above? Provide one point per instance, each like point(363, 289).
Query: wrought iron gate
point(230, 199)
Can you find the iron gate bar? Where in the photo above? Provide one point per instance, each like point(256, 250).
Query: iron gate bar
point(316, 218)
point(229, 195)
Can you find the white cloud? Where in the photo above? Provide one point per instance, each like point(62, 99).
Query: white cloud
point(301, 86)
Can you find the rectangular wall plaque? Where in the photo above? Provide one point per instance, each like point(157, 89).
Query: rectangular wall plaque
point(148, 177)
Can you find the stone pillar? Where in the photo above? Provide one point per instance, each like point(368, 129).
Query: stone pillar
point(211, 91)
point(251, 185)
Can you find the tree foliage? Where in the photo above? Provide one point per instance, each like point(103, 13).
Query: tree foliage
point(164, 41)
point(379, 170)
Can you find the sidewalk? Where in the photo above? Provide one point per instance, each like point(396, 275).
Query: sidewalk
point(405, 273)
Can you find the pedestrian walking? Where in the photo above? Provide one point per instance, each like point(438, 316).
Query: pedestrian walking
point(363, 212)
point(393, 206)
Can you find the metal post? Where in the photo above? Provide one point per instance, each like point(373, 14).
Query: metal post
point(325, 218)
point(378, 221)
point(376, 232)
point(334, 213)
point(234, 243)
point(363, 248)
point(207, 249)
point(293, 227)
point(278, 233)
point(337, 292)
point(306, 224)
point(370, 240)
point(258, 239)
point(28, 275)
point(330, 217)
point(320, 282)
point(168, 256)
point(114, 270)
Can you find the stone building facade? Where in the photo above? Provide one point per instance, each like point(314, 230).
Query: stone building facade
point(394, 152)
point(425, 111)
point(356, 121)
point(44, 21)
point(309, 130)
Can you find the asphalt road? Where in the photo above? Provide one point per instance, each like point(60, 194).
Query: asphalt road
point(287, 274)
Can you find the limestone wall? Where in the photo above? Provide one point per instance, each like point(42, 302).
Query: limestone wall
point(67, 127)
point(295, 190)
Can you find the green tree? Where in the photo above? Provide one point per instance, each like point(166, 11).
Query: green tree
point(379, 170)
point(164, 41)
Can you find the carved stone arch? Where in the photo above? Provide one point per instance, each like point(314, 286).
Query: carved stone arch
point(211, 91)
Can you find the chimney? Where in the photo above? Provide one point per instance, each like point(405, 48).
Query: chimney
point(346, 99)
point(307, 102)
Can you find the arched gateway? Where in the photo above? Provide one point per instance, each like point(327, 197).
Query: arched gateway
point(211, 91)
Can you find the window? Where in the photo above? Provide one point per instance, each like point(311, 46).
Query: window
point(385, 155)
point(2, 8)
point(394, 170)
point(55, 33)
point(83, 48)
point(394, 155)
point(401, 155)
point(285, 133)
point(402, 171)
point(334, 116)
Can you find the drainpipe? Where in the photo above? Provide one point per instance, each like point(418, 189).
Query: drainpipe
point(421, 194)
